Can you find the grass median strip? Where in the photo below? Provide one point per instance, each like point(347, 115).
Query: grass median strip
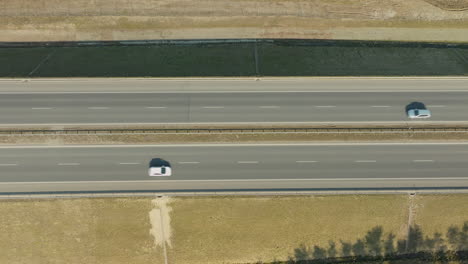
point(227, 138)
point(151, 134)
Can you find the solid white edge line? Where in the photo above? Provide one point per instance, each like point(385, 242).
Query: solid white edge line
point(213, 107)
point(155, 107)
point(97, 108)
point(240, 91)
point(245, 145)
point(9, 164)
point(188, 162)
point(240, 180)
point(68, 164)
point(306, 161)
point(247, 162)
point(41, 108)
point(423, 160)
point(365, 161)
point(246, 91)
point(129, 163)
point(399, 122)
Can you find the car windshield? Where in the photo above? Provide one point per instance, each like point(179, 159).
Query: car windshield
point(416, 112)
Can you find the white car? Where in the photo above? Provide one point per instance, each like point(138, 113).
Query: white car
point(159, 167)
point(419, 113)
point(160, 171)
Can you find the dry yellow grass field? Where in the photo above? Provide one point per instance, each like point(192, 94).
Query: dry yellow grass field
point(436, 213)
point(42, 20)
point(88, 231)
point(246, 230)
point(228, 229)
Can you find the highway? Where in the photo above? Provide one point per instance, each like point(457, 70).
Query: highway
point(228, 101)
point(26, 102)
point(233, 167)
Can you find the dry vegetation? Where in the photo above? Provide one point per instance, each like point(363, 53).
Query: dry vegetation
point(88, 231)
point(228, 138)
point(245, 230)
point(453, 207)
point(34, 20)
point(450, 4)
point(210, 229)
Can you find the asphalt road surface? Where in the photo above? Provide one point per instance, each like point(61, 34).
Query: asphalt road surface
point(227, 101)
point(234, 167)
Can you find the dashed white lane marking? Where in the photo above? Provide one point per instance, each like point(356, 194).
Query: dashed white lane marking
point(269, 106)
point(423, 161)
point(68, 164)
point(436, 106)
point(248, 162)
point(383, 106)
point(129, 163)
point(9, 164)
point(42, 108)
point(188, 162)
point(97, 108)
point(363, 161)
point(213, 107)
point(306, 161)
point(325, 106)
point(156, 107)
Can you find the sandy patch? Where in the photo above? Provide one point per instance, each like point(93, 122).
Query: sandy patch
point(161, 221)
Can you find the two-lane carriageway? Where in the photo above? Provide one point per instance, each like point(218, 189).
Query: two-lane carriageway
point(229, 101)
point(234, 167)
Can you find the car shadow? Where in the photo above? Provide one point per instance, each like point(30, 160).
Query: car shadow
point(158, 162)
point(415, 105)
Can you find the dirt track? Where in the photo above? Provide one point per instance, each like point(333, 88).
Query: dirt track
point(416, 20)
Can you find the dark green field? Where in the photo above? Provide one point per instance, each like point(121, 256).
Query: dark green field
point(281, 58)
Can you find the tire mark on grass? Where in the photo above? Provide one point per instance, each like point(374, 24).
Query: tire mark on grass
point(42, 62)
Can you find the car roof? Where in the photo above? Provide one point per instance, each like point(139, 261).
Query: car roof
point(157, 162)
